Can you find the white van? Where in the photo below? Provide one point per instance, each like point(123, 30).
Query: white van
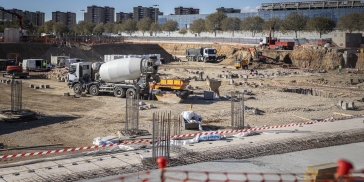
point(67, 62)
point(36, 65)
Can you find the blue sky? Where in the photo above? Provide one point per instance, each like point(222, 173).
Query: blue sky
point(165, 6)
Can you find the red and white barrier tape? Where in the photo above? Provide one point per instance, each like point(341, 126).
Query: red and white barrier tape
point(173, 137)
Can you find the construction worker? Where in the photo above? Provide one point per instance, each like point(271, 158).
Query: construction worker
point(44, 64)
point(340, 68)
point(151, 88)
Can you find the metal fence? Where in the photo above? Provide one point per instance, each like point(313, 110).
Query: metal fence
point(235, 40)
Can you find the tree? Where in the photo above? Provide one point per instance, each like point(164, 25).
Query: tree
point(197, 26)
point(231, 24)
point(40, 29)
point(117, 28)
point(272, 22)
point(252, 24)
point(60, 28)
point(49, 26)
point(294, 22)
point(350, 22)
point(155, 28)
point(84, 28)
point(170, 26)
point(144, 24)
point(213, 22)
point(88, 28)
point(108, 27)
point(321, 25)
point(183, 31)
point(129, 26)
point(98, 29)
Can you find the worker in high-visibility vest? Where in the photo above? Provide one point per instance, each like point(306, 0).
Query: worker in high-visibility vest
point(151, 88)
point(340, 68)
point(44, 64)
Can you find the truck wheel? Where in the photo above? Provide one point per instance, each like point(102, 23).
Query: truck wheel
point(77, 88)
point(204, 60)
point(94, 90)
point(131, 93)
point(119, 92)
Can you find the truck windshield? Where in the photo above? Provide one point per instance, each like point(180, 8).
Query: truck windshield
point(211, 51)
point(72, 68)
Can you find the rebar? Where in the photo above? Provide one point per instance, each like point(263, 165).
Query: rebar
point(236, 151)
point(16, 96)
point(132, 114)
point(237, 110)
point(161, 133)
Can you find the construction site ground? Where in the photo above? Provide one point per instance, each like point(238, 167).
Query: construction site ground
point(75, 122)
point(108, 163)
point(67, 122)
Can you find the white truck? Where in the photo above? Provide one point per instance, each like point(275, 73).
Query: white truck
point(124, 76)
point(36, 65)
point(203, 54)
point(66, 63)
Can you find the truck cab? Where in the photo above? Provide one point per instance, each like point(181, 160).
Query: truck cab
point(209, 54)
point(79, 72)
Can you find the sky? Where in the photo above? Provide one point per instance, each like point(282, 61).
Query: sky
point(165, 6)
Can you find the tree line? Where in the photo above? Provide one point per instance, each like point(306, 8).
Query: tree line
point(214, 23)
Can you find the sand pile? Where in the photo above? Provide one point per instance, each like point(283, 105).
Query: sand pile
point(360, 61)
point(231, 59)
point(316, 59)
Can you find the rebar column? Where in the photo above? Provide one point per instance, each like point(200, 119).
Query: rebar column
point(161, 132)
point(132, 113)
point(16, 96)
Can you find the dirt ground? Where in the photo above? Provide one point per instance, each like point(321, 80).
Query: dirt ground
point(74, 122)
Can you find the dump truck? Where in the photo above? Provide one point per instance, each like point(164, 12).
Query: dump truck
point(123, 77)
point(202, 54)
point(15, 72)
point(172, 90)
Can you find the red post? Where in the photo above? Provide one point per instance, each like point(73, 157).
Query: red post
point(343, 169)
point(162, 163)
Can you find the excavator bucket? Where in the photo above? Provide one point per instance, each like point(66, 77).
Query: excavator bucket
point(214, 85)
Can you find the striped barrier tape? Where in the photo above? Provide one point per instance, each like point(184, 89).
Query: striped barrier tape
point(174, 137)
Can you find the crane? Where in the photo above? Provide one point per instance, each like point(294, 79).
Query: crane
point(20, 17)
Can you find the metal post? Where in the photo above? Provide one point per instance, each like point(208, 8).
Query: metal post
point(243, 109)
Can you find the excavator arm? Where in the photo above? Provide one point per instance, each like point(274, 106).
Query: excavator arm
point(20, 17)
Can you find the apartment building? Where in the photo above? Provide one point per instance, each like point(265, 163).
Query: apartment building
point(97, 14)
point(142, 12)
point(186, 11)
point(36, 18)
point(67, 18)
point(228, 10)
point(121, 16)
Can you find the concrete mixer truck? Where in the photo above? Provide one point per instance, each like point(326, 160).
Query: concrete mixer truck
point(123, 77)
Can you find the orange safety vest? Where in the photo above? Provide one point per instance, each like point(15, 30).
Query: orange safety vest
point(152, 86)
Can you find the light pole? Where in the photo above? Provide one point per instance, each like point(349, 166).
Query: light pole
point(155, 12)
point(82, 11)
